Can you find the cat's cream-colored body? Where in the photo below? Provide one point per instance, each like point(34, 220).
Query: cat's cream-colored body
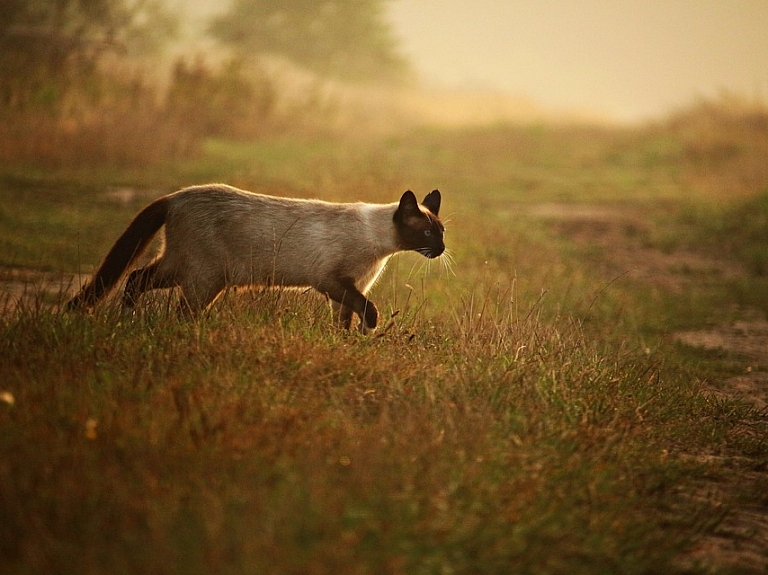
point(218, 236)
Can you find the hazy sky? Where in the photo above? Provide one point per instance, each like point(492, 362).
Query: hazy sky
point(629, 59)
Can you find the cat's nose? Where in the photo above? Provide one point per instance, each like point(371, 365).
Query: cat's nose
point(436, 252)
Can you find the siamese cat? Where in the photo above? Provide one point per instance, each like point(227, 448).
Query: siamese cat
point(217, 236)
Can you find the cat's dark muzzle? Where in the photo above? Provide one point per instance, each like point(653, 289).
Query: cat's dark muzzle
point(435, 252)
point(430, 252)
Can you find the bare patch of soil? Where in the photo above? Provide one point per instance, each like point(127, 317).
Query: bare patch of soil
point(21, 287)
point(748, 338)
point(741, 539)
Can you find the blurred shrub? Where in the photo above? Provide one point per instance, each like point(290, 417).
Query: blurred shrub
point(743, 232)
point(724, 140)
point(223, 102)
point(115, 116)
point(66, 95)
point(102, 118)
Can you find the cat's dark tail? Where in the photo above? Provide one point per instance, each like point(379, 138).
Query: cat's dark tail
point(127, 248)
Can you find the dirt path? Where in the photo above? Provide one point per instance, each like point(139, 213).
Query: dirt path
point(624, 253)
point(748, 338)
point(740, 542)
point(742, 538)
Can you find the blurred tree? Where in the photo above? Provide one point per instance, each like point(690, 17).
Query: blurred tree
point(46, 44)
point(348, 39)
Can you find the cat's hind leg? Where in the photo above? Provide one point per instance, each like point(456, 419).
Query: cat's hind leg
point(198, 295)
point(150, 277)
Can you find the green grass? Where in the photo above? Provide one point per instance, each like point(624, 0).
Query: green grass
point(272, 443)
point(528, 414)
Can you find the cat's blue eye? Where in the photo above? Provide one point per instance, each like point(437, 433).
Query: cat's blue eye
point(427, 233)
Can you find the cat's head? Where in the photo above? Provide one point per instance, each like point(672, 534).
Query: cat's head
point(417, 225)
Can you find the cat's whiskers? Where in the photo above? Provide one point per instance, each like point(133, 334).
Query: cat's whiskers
point(447, 262)
point(416, 263)
point(423, 266)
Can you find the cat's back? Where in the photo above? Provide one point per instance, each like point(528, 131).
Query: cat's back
point(223, 196)
point(222, 213)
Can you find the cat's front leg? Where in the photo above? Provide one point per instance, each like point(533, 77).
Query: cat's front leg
point(345, 294)
point(342, 314)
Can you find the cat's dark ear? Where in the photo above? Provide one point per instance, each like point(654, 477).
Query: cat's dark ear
point(432, 201)
point(408, 204)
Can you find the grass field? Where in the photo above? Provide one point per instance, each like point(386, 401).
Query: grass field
point(529, 410)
